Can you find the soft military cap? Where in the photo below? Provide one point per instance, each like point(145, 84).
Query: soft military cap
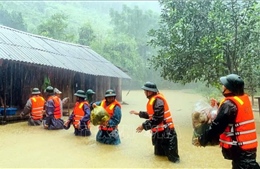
point(80, 93)
point(233, 82)
point(90, 92)
point(49, 90)
point(149, 86)
point(110, 93)
point(36, 91)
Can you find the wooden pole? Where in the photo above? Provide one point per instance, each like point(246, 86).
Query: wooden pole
point(258, 100)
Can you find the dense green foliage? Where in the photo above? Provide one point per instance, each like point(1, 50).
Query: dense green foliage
point(12, 19)
point(56, 28)
point(191, 41)
point(203, 40)
point(86, 34)
point(113, 29)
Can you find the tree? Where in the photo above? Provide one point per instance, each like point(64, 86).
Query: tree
point(56, 28)
point(120, 49)
point(135, 23)
point(203, 40)
point(14, 19)
point(86, 34)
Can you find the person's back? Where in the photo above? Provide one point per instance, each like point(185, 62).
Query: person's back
point(53, 119)
point(34, 107)
point(62, 101)
point(37, 107)
point(57, 105)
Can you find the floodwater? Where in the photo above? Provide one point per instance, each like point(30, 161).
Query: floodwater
point(22, 146)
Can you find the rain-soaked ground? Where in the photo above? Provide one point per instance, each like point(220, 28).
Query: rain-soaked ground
point(22, 146)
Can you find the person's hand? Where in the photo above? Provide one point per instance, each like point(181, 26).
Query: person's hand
point(21, 114)
point(67, 123)
point(46, 126)
point(43, 112)
point(94, 105)
point(77, 126)
point(213, 102)
point(139, 129)
point(105, 123)
point(134, 112)
point(196, 142)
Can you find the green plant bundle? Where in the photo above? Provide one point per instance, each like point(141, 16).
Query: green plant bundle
point(99, 116)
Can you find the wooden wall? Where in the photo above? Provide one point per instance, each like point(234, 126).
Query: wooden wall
point(18, 79)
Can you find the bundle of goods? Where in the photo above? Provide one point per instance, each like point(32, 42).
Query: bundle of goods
point(99, 116)
point(202, 116)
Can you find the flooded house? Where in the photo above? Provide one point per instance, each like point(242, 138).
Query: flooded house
point(28, 61)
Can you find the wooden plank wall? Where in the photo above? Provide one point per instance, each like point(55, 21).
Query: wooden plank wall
point(21, 78)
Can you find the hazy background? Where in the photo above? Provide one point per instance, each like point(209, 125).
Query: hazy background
point(117, 30)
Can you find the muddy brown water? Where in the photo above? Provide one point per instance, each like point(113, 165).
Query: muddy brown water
point(22, 146)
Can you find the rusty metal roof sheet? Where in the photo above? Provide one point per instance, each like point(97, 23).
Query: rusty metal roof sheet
point(25, 47)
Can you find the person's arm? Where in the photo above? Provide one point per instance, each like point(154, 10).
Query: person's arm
point(94, 104)
point(158, 115)
point(69, 121)
point(87, 114)
point(143, 114)
point(49, 108)
point(226, 114)
point(116, 118)
point(27, 108)
point(71, 116)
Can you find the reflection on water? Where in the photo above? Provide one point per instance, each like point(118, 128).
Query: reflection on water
point(34, 147)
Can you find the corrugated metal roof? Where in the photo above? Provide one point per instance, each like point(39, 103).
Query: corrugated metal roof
point(21, 46)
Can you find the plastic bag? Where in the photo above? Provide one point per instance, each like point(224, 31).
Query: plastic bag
point(65, 100)
point(202, 116)
point(99, 116)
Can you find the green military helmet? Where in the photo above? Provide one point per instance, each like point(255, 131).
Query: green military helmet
point(90, 92)
point(49, 90)
point(149, 86)
point(234, 83)
point(110, 93)
point(36, 91)
point(80, 93)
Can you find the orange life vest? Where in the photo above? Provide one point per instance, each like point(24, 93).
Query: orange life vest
point(57, 110)
point(167, 114)
point(37, 107)
point(79, 113)
point(243, 132)
point(110, 109)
